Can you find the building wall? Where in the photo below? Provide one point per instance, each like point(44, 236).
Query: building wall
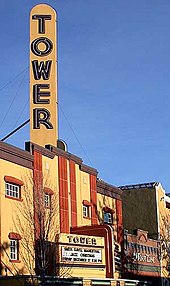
point(141, 255)
point(10, 209)
point(146, 206)
point(51, 180)
point(140, 210)
point(163, 213)
point(71, 184)
point(83, 193)
point(106, 201)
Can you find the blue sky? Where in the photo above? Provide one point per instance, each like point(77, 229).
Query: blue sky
point(114, 83)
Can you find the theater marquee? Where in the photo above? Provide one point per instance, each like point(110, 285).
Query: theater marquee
point(43, 76)
point(82, 253)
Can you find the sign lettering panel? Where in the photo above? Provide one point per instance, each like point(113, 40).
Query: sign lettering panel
point(43, 76)
point(81, 255)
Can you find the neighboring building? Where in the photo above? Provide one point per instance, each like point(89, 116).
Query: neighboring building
point(141, 257)
point(146, 206)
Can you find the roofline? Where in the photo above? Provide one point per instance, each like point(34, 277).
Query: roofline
point(149, 185)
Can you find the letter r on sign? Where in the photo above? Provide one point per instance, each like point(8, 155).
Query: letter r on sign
point(41, 116)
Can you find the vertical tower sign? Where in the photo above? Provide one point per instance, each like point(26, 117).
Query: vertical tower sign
point(43, 76)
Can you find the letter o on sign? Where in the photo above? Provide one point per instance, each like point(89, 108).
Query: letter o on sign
point(76, 239)
point(35, 46)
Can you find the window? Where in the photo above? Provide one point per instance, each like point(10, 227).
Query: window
point(155, 250)
point(47, 197)
point(86, 211)
point(86, 208)
point(132, 245)
point(107, 217)
point(12, 190)
point(14, 249)
point(47, 200)
point(13, 187)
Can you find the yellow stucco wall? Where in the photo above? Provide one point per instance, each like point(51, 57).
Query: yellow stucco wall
point(163, 225)
point(105, 201)
point(50, 180)
point(9, 211)
point(83, 193)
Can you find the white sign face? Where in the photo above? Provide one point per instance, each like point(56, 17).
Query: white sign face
point(81, 255)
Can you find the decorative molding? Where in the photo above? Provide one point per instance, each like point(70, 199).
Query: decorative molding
point(52, 151)
point(140, 186)
point(48, 191)
point(13, 180)
point(108, 190)
point(15, 199)
point(15, 155)
point(14, 235)
point(87, 203)
point(15, 261)
point(31, 147)
point(88, 169)
point(108, 210)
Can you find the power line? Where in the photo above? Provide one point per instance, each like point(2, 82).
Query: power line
point(28, 120)
point(15, 130)
point(12, 101)
point(8, 83)
point(75, 134)
point(22, 111)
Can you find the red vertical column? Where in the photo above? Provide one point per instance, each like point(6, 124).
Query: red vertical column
point(93, 196)
point(37, 168)
point(37, 187)
point(63, 195)
point(73, 194)
point(119, 221)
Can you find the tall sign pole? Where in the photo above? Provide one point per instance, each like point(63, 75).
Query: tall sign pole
point(43, 76)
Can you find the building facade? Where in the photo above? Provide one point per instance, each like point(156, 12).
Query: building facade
point(146, 206)
point(141, 257)
point(88, 220)
point(57, 218)
point(52, 206)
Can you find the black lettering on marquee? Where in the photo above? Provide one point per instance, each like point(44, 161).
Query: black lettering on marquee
point(37, 94)
point(42, 69)
point(75, 239)
point(41, 116)
point(69, 237)
point(94, 241)
point(83, 240)
point(41, 22)
point(48, 46)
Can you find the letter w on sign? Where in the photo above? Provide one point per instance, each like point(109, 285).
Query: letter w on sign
point(41, 69)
